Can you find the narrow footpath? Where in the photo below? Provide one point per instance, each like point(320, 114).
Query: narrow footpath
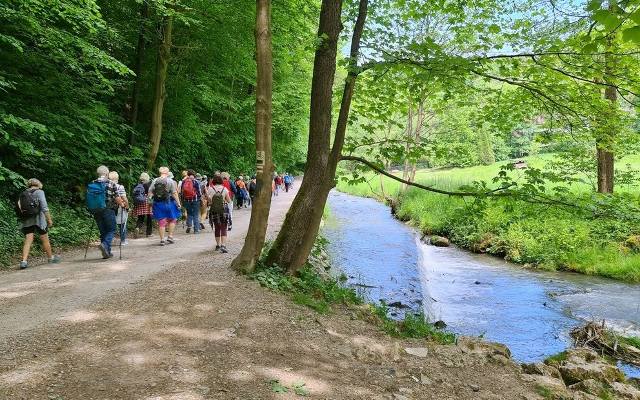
point(176, 323)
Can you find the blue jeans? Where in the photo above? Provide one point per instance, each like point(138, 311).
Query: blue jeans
point(106, 221)
point(193, 214)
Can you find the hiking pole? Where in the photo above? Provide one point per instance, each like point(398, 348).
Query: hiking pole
point(86, 250)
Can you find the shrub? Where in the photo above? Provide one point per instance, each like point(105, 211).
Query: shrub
point(71, 228)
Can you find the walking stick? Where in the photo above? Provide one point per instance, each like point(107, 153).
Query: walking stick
point(86, 250)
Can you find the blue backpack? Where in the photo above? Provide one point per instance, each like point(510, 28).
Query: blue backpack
point(96, 196)
point(139, 194)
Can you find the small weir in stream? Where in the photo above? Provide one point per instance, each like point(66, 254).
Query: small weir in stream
point(532, 312)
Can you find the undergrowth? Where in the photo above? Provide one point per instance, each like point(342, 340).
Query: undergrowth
point(71, 228)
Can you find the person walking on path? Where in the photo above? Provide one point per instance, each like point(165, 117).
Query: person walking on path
point(287, 182)
point(253, 188)
point(220, 204)
point(35, 218)
point(240, 188)
point(278, 182)
point(230, 186)
point(204, 202)
point(165, 204)
point(142, 208)
point(122, 214)
point(190, 193)
point(103, 202)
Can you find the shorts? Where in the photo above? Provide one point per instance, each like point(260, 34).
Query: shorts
point(166, 221)
point(33, 229)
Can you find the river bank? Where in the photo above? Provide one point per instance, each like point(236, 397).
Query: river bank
point(474, 294)
point(536, 235)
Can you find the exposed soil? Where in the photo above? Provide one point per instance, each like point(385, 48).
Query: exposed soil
point(177, 323)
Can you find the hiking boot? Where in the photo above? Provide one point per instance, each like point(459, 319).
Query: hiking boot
point(54, 260)
point(23, 264)
point(162, 243)
point(223, 249)
point(188, 230)
point(170, 240)
point(103, 251)
point(217, 248)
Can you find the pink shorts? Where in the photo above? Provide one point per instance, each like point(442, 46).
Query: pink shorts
point(166, 221)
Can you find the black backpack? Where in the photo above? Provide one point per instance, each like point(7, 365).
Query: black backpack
point(28, 204)
point(161, 190)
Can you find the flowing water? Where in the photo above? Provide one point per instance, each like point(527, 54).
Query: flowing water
point(532, 312)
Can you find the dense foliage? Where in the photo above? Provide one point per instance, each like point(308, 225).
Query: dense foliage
point(67, 76)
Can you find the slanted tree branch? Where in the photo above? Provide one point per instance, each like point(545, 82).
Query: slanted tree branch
point(494, 192)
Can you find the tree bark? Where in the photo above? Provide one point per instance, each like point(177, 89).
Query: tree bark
point(408, 135)
point(135, 95)
point(295, 241)
point(250, 254)
point(605, 140)
point(164, 53)
point(604, 151)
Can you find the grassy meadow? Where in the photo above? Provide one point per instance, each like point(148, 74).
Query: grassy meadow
point(552, 238)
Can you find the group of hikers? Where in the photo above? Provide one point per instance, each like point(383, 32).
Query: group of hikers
point(162, 199)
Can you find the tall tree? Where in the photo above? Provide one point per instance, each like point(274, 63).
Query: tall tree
point(605, 140)
point(164, 53)
point(254, 241)
point(140, 47)
point(300, 228)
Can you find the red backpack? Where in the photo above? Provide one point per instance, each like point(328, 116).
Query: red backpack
point(189, 189)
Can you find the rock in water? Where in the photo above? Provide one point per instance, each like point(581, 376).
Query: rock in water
point(439, 241)
point(398, 304)
point(440, 324)
point(583, 364)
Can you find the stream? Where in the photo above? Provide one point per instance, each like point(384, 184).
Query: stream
point(530, 311)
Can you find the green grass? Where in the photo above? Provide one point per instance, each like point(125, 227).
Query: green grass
point(551, 238)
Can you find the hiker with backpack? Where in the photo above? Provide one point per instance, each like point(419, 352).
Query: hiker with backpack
point(103, 202)
point(287, 182)
point(122, 215)
point(142, 207)
point(220, 204)
point(253, 189)
point(165, 205)
point(191, 194)
point(34, 215)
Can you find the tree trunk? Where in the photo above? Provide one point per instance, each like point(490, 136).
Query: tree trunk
point(417, 137)
point(135, 95)
point(408, 135)
point(605, 153)
point(246, 260)
point(297, 236)
point(605, 140)
point(164, 52)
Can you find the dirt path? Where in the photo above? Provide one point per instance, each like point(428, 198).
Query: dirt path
point(187, 327)
point(47, 293)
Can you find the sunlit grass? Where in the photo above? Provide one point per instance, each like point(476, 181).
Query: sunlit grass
point(547, 237)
